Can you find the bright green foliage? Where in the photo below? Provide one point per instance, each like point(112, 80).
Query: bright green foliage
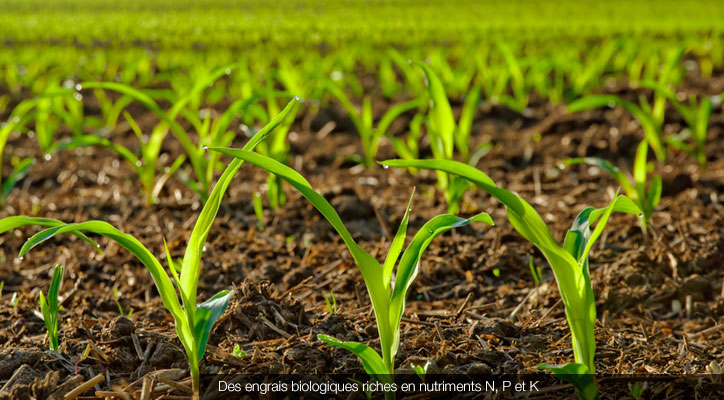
point(331, 304)
point(645, 196)
point(387, 294)
point(238, 352)
point(421, 371)
point(579, 376)
point(535, 271)
point(695, 114)
point(569, 261)
point(50, 306)
point(364, 123)
point(258, 211)
point(276, 147)
point(210, 133)
point(193, 321)
point(25, 112)
point(446, 135)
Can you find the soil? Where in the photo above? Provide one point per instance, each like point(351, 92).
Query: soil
point(474, 307)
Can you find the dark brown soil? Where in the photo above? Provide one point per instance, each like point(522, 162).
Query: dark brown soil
point(660, 299)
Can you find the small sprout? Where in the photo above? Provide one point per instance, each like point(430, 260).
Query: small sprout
point(238, 352)
point(535, 271)
point(496, 272)
point(86, 352)
point(569, 261)
point(14, 300)
point(117, 296)
point(259, 211)
point(49, 307)
point(387, 295)
point(331, 304)
point(637, 389)
point(194, 320)
point(2, 284)
point(421, 371)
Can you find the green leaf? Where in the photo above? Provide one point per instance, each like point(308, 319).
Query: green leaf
point(608, 167)
point(639, 169)
point(160, 278)
point(9, 223)
point(371, 361)
point(191, 266)
point(370, 268)
point(577, 374)
point(410, 261)
point(524, 218)
point(396, 246)
point(442, 121)
point(93, 140)
point(207, 313)
point(18, 173)
point(654, 195)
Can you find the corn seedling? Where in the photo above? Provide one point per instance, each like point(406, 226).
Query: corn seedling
point(695, 114)
point(421, 371)
point(21, 115)
point(276, 147)
point(117, 297)
point(445, 135)
point(238, 352)
point(193, 321)
point(14, 300)
point(363, 120)
point(535, 271)
point(387, 294)
point(258, 211)
point(637, 390)
point(569, 262)
point(645, 196)
point(210, 133)
point(331, 304)
point(49, 307)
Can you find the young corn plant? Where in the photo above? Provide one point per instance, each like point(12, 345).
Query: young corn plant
point(645, 193)
point(695, 114)
point(276, 147)
point(386, 292)
point(364, 123)
point(446, 135)
point(24, 113)
point(193, 321)
point(568, 261)
point(210, 133)
point(50, 306)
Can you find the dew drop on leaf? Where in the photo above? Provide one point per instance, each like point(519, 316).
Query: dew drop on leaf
point(561, 166)
point(204, 147)
point(47, 157)
point(139, 163)
point(385, 167)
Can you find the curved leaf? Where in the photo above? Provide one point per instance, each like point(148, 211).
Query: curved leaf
point(371, 361)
